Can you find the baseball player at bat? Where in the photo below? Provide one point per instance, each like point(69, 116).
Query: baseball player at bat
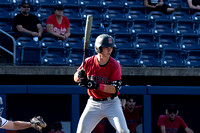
point(36, 122)
point(102, 78)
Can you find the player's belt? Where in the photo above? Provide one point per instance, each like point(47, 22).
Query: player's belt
point(104, 99)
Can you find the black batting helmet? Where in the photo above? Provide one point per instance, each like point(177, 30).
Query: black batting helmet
point(104, 40)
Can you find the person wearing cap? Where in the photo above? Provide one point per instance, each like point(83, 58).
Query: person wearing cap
point(132, 112)
point(56, 128)
point(171, 122)
point(58, 25)
point(27, 24)
point(101, 75)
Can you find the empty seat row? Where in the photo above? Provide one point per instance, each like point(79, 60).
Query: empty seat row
point(158, 58)
point(48, 51)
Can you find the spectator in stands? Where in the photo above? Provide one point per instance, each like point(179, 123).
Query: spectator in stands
point(194, 5)
point(101, 126)
point(56, 128)
point(58, 25)
point(159, 5)
point(171, 122)
point(27, 24)
point(132, 113)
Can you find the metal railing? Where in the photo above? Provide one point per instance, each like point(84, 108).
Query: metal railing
point(14, 46)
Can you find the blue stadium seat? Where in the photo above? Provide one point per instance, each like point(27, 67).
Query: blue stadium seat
point(50, 59)
point(75, 57)
point(93, 39)
point(193, 58)
point(69, 2)
point(5, 16)
point(162, 26)
point(96, 12)
point(150, 57)
point(180, 16)
point(93, 3)
point(134, 3)
point(137, 13)
point(195, 19)
point(31, 55)
point(172, 58)
point(141, 26)
point(145, 40)
point(76, 27)
point(124, 41)
point(174, 3)
point(44, 13)
point(98, 28)
point(168, 41)
point(74, 41)
point(184, 27)
point(128, 57)
point(53, 51)
point(115, 13)
point(158, 15)
point(47, 3)
point(27, 51)
point(121, 27)
point(72, 12)
point(5, 26)
point(190, 42)
point(7, 4)
point(113, 3)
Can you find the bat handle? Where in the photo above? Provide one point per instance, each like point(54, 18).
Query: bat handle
point(84, 55)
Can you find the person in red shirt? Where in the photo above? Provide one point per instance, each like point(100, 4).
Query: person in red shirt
point(58, 25)
point(132, 113)
point(101, 75)
point(56, 128)
point(171, 122)
point(101, 126)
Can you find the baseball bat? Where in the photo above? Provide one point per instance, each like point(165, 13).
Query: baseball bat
point(88, 28)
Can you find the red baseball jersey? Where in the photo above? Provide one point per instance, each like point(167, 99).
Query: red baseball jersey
point(58, 28)
point(132, 119)
point(101, 74)
point(171, 127)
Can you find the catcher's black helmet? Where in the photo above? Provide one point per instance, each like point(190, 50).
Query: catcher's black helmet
point(104, 40)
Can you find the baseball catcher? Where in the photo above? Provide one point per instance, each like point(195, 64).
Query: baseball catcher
point(36, 123)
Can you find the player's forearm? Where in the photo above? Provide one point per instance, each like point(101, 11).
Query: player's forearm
point(21, 124)
point(107, 88)
point(18, 125)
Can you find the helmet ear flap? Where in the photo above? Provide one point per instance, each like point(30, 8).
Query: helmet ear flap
point(100, 49)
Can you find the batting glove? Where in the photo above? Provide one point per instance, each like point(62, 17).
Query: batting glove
point(82, 82)
point(92, 85)
point(81, 73)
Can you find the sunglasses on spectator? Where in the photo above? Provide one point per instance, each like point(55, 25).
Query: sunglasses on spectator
point(26, 6)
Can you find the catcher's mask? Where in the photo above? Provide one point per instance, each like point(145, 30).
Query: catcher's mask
point(1, 108)
point(104, 40)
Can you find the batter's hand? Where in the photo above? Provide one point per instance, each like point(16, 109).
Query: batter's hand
point(92, 85)
point(82, 82)
point(81, 73)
